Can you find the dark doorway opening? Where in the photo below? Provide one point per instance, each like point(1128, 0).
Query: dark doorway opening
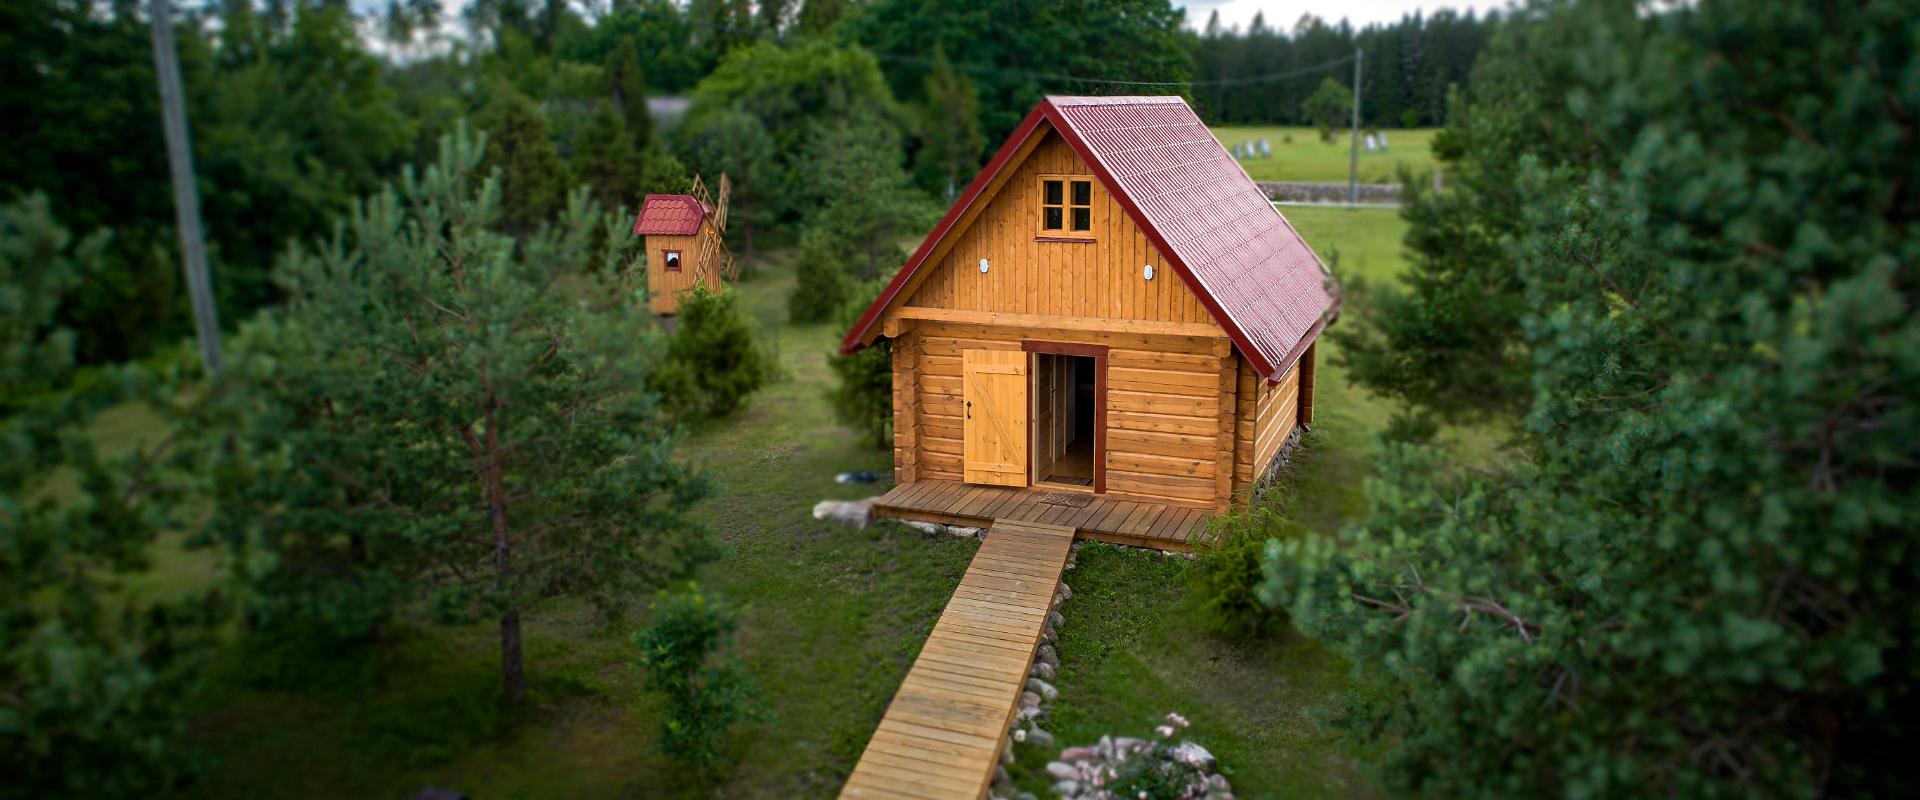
point(1064, 419)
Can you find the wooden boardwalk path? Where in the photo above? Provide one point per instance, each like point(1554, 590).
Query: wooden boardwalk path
point(1108, 519)
point(943, 732)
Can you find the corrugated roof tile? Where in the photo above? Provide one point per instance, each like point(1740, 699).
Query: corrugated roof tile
point(669, 215)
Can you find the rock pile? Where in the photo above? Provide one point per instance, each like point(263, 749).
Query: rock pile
point(1110, 768)
point(851, 513)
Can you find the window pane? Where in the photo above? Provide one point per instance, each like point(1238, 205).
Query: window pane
point(1082, 192)
point(1052, 193)
point(1052, 219)
point(1083, 219)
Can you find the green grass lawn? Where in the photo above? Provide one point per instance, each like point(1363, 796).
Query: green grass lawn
point(1299, 155)
point(833, 619)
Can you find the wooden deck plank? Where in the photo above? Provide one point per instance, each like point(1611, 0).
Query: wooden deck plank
point(1006, 500)
point(1137, 522)
point(912, 497)
point(942, 733)
point(922, 497)
point(941, 495)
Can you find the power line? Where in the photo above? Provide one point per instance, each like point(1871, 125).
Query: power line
point(982, 69)
point(985, 70)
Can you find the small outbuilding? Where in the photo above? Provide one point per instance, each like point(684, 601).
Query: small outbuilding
point(1112, 329)
point(684, 244)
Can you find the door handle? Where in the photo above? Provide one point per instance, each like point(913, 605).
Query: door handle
point(969, 409)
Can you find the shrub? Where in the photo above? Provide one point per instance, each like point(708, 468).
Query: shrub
point(822, 282)
point(1226, 577)
point(685, 656)
point(713, 362)
point(862, 394)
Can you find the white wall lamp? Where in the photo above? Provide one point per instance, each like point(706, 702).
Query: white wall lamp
point(1147, 272)
point(983, 265)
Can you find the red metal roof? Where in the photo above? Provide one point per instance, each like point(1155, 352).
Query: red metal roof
point(669, 215)
point(1241, 258)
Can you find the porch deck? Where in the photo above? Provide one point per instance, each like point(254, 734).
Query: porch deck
point(1107, 519)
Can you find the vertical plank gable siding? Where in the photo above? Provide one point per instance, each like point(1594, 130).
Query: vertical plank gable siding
point(1097, 279)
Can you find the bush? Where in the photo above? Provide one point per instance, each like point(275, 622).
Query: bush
point(1225, 577)
point(685, 655)
point(862, 395)
point(713, 362)
point(822, 281)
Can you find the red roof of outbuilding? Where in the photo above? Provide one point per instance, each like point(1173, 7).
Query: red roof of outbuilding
point(669, 215)
point(1219, 232)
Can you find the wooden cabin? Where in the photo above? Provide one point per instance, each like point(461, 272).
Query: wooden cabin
point(684, 244)
point(1112, 322)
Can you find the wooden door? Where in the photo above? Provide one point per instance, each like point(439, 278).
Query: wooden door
point(994, 451)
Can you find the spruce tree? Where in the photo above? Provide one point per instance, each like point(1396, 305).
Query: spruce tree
point(437, 421)
point(860, 194)
point(606, 159)
point(734, 143)
point(713, 362)
point(1697, 580)
point(627, 88)
point(1330, 107)
point(822, 279)
point(950, 126)
point(862, 393)
point(533, 179)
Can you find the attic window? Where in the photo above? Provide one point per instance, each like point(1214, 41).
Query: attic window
point(1066, 206)
point(673, 260)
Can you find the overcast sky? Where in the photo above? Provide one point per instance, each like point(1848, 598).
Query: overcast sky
point(1282, 13)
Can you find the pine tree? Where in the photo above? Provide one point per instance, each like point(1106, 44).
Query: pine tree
point(430, 420)
point(1445, 341)
point(1697, 580)
point(92, 681)
point(533, 179)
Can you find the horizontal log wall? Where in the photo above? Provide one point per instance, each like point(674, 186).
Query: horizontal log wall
point(1162, 424)
point(1276, 413)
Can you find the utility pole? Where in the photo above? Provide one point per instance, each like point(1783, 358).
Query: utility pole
point(186, 197)
point(1353, 155)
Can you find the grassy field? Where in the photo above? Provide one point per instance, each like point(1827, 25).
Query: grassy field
point(1299, 155)
point(833, 619)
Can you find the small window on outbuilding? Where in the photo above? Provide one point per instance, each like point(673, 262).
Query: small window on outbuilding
point(1066, 206)
point(672, 260)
